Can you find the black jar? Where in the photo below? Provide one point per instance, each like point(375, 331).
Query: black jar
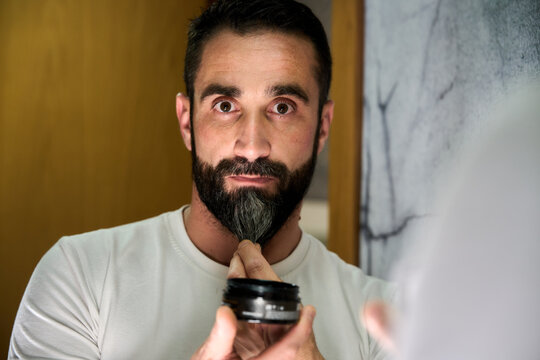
point(262, 301)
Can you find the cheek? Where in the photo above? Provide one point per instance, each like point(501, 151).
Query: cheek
point(304, 137)
point(210, 144)
point(304, 141)
point(297, 147)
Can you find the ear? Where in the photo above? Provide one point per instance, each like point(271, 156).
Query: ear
point(327, 115)
point(182, 113)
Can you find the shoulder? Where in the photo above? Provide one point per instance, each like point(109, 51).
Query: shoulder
point(338, 291)
point(75, 280)
point(140, 234)
point(95, 255)
point(351, 279)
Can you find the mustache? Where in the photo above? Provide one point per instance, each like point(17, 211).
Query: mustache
point(261, 167)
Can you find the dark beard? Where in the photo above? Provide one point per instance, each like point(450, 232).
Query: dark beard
point(249, 212)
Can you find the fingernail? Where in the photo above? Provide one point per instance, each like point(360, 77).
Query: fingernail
point(179, 94)
point(244, 243)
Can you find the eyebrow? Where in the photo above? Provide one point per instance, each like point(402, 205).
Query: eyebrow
point(288, 89)
point(217, 89)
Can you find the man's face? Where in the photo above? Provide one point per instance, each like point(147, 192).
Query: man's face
point(254, 126)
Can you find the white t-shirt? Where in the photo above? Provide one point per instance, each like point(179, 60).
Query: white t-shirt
point(144, 291)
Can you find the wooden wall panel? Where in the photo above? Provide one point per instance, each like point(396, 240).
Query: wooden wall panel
point(346, 133)
point(88, 132)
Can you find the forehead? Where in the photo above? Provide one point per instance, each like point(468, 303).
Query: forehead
point(253, 58)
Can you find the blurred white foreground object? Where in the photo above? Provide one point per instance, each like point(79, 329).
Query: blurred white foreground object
point(475, 292)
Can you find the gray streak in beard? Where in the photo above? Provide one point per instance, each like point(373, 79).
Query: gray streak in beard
point(252, 218)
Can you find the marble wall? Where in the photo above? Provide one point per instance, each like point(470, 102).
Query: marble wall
point(433, 69)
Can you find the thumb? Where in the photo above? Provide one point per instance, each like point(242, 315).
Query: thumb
point(219, 343)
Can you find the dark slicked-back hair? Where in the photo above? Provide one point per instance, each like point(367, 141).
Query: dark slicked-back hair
point(248, 16)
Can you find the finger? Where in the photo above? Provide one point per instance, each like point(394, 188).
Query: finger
point(378, 319)
point(249, 340)
point(219, 344)
point(275, 332)
point(287, 348)
point(236, 268)
point(255, 264)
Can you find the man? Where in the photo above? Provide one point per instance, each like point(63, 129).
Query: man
point(255, 117)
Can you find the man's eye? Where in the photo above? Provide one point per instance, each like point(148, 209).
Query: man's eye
point(282, 108)
point(224, 106)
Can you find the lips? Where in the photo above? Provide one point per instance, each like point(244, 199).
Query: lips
point(251, 180)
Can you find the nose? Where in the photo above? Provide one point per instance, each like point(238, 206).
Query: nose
point(252, 140)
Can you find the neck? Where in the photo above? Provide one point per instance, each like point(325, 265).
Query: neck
point(219, 244)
